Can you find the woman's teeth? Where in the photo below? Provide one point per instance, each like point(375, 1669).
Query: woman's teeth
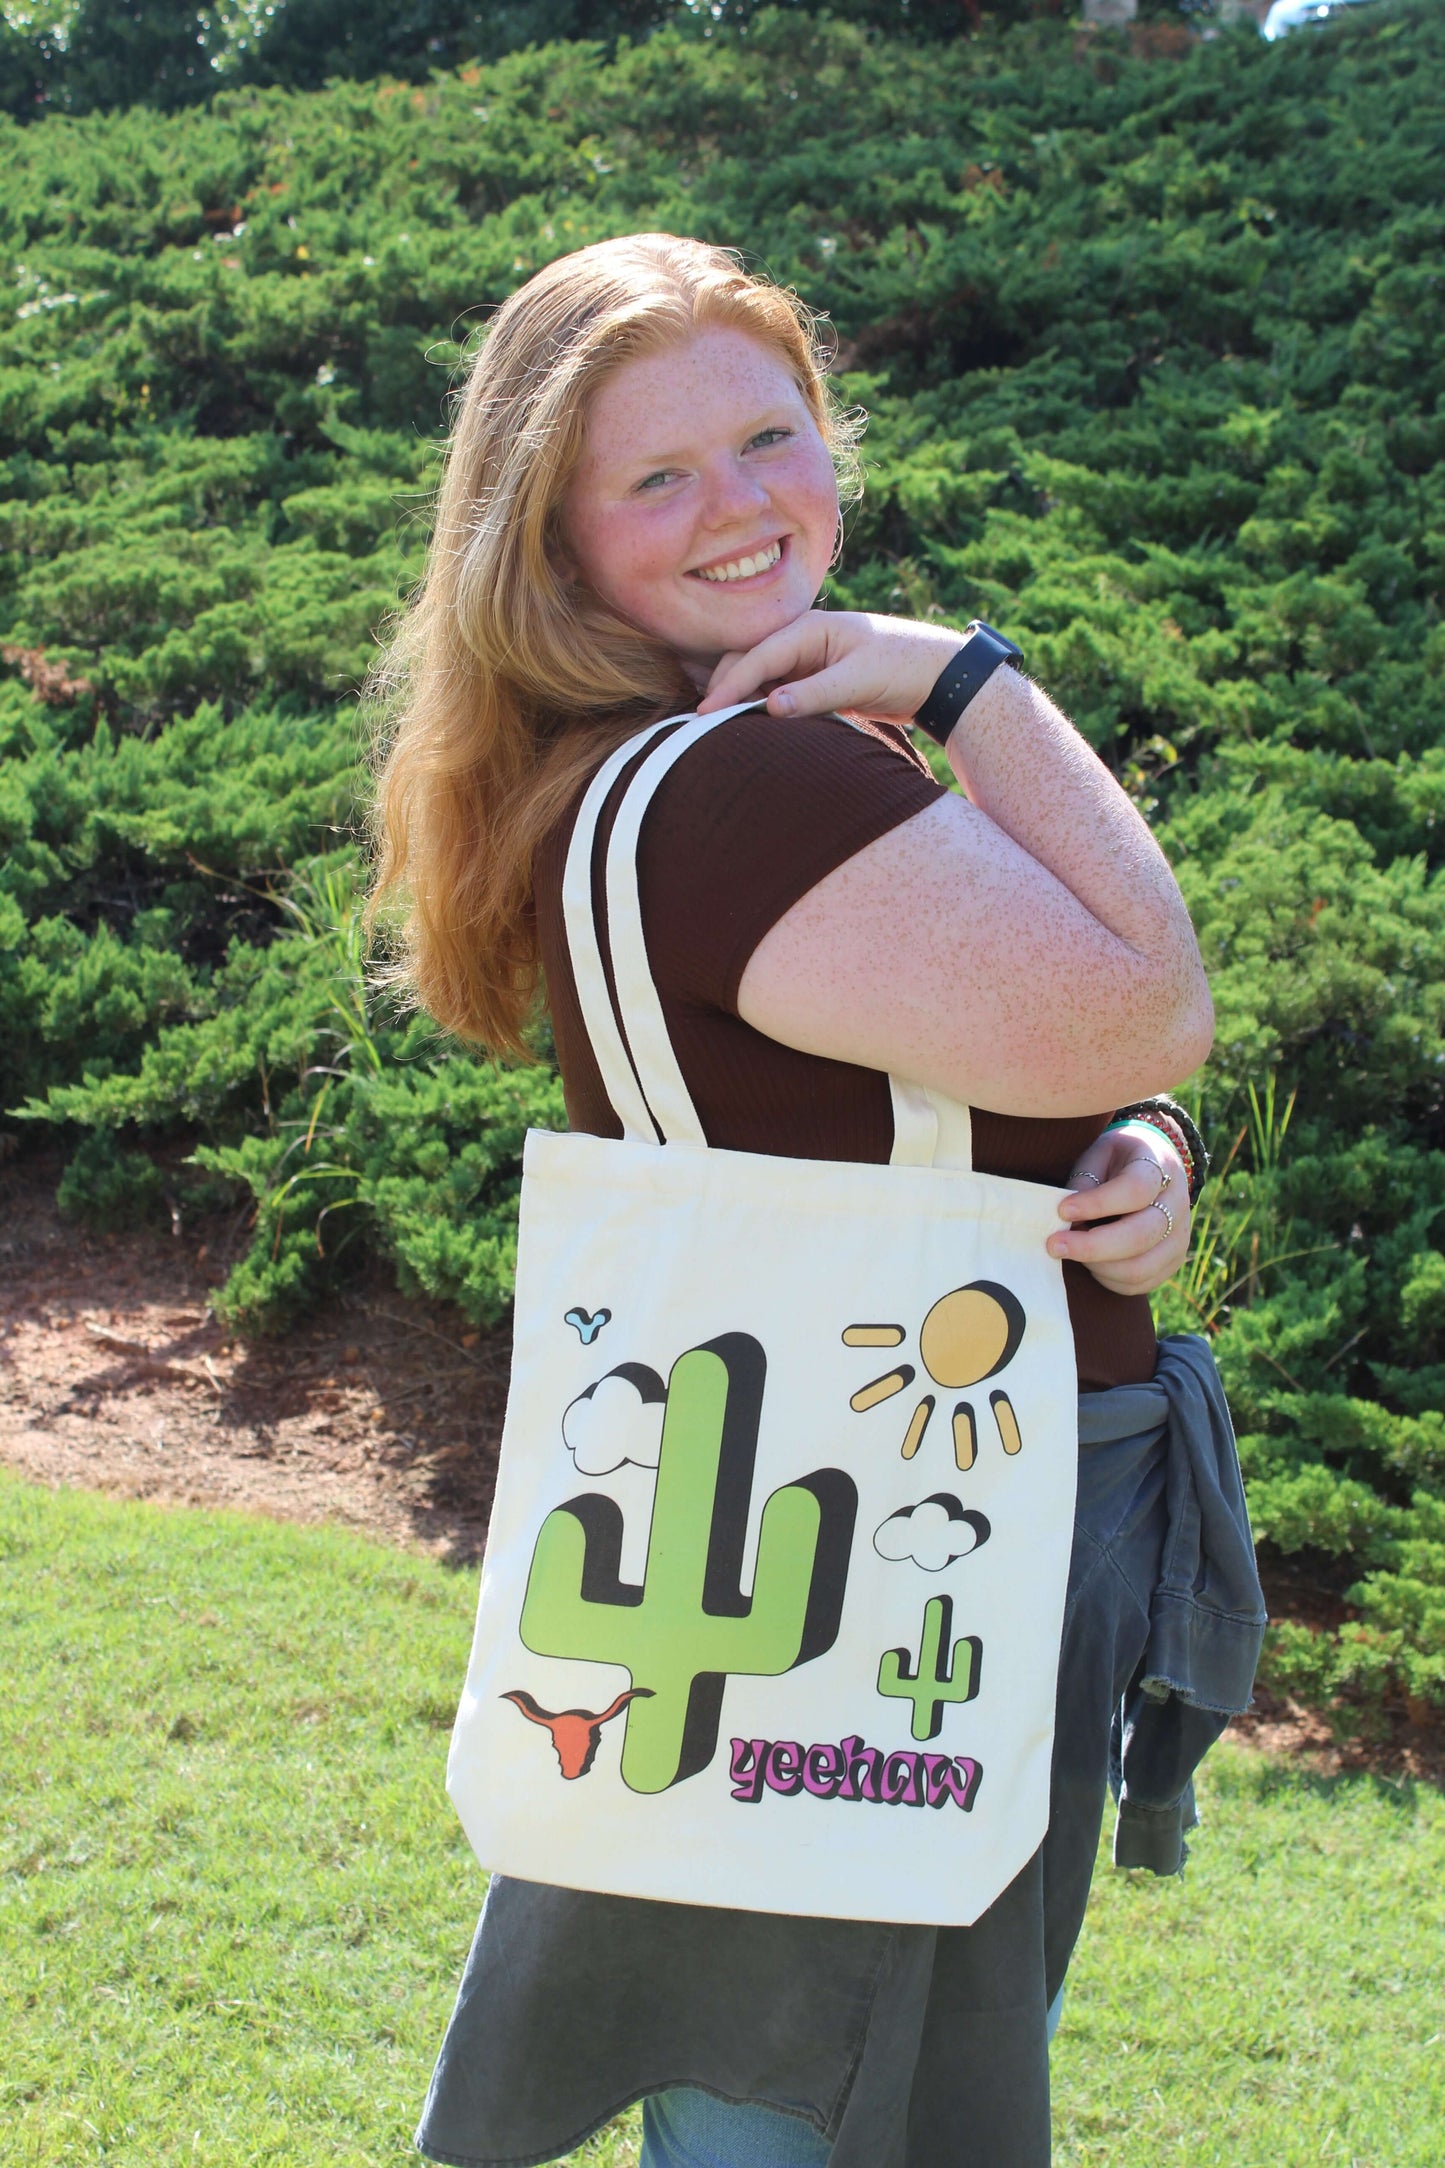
point(743, 568)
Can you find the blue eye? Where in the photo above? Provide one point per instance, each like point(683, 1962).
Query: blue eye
point(663, 474)
point(769, 437)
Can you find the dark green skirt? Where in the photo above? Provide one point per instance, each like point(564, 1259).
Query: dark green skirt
point(908, 2047)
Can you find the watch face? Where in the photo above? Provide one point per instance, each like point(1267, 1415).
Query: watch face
point(1010, 647)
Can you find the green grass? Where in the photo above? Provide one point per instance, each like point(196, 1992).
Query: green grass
point(1283, 2006)
point(234, 1903)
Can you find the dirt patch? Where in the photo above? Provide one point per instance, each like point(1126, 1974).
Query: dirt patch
point(378, 1412)
point(1400, 1741)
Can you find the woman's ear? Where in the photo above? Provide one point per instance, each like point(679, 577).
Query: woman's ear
point(559, 558)
point(839, 538)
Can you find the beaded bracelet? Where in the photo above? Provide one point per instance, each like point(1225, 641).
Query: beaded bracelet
point(1177, 1125)
point(1184, 1121)
point(1171, 1133)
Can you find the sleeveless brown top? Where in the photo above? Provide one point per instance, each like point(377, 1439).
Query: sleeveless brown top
point(752, 817)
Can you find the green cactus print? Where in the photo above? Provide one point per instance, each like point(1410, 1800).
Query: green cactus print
point(939, 1677)
point(689, 1625)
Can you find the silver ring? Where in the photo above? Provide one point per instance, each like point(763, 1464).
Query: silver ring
point(1165, 1177)
point(1159, 1206)
point(1084, 1175)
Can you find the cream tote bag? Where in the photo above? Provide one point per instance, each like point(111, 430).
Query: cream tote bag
point(772, 1597)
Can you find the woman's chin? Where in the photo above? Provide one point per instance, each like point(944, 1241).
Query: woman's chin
point(746, 622)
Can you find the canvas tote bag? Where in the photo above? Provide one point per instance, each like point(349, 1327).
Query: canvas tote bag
point(772, 1596)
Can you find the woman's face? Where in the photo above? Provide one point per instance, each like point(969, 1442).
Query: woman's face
point(704, 507)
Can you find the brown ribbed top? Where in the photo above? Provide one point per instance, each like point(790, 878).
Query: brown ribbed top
point(749, 819)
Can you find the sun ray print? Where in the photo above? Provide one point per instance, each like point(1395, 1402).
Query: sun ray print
point(965, 1436)
point(874, 1336)
point(968, 1335)
point(917, 1424)
point(1008, 1422)
point(868, 1396)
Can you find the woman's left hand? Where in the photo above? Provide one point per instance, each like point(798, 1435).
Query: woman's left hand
point(1122, 1179)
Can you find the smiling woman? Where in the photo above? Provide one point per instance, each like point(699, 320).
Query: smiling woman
point(564, 602)
point(640, 505)
point(704, 507)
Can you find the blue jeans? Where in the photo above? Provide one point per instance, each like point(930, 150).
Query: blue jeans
point(685, 2128)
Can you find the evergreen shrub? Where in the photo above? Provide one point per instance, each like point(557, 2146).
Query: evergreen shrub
point(1153, 351)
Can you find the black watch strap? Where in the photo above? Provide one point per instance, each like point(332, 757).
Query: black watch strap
point(965, 674)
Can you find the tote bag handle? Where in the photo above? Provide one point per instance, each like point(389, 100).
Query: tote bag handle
point(609, 1049)
point(633, 1047)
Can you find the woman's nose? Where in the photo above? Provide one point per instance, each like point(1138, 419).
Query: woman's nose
point(733, 492)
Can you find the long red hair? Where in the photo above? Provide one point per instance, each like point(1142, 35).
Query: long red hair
point(505, 684)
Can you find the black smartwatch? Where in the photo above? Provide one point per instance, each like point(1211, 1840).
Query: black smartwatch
point(983, 652)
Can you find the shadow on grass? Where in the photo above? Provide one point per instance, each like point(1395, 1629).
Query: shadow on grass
point(1255, 1776)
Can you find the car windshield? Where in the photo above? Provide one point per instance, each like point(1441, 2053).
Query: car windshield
point(1287, 15)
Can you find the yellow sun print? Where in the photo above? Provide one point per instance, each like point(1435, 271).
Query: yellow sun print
point(967, 1336)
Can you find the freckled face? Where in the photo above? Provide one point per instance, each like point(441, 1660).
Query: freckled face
point(704, 507)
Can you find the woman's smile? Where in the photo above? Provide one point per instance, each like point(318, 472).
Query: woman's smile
point(751, 567)
point(704, 508)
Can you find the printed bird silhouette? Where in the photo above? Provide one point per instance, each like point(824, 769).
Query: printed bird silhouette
point(587, 1327)
point(576, 1733)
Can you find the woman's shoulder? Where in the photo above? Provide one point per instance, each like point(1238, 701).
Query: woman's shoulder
point(756, 784)
point(755, 781)
point(809, 787)
point(762, 749)
point(748, 821)
point(741, 827)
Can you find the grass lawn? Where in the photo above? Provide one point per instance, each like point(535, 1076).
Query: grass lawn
point(234, 1903)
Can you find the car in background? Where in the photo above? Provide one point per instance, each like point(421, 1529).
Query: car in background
point(1287, 15)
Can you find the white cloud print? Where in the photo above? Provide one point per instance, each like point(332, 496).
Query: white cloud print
point(618, 1419)
point(931, 1534)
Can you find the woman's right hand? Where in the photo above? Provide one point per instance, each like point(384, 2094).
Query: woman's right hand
point(1127, 1210)
point(836, 662)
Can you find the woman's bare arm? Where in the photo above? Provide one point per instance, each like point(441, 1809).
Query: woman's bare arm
point(1024, 948)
